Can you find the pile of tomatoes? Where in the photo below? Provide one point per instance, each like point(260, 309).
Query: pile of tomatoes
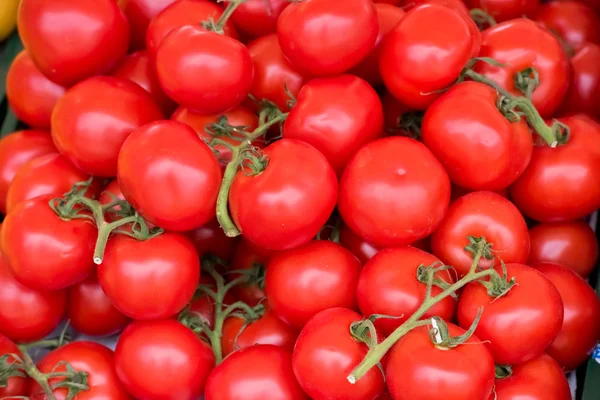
point(309, 199)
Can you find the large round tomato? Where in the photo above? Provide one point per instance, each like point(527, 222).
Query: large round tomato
point(575, 22)
point(584, 91)
point(139, 14)
point(15, 385)
point(169, 175)
point(503, 10)
point(393, 192)
point(256, 18)
point(357, 245)
point(248, 257)
point(210, 239)
point(70, 41)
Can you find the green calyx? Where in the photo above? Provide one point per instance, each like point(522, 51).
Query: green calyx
point(427, 273)
point(440, 335)
point(498, 286)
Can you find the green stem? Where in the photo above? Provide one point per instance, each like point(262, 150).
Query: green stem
point(233, 4)
point(534, 119)
point(52, 343)
point(104, 231)
point(35, 373)
point(477, 77)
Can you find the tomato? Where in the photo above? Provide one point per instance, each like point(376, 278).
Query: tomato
point(110, 193)
point(575, 22)
point(362, 249)
point(274, 76)
point(456, 5)
point(256, 373)
point(584, 91)
point(177, 369)
point(16, 385)
point(30, 94)
point(458, 191)
point(479, 147)
point(93, 358)
point(26, 314)
point(542, 51)
point(16, 150)
point(516, 327)
point(393, 192)
point(327, 37)
point(479, 214)
point(326, 341)
point(210, 239)
point(70, 41)
point(336, 115)
point(89, 128)
point(573, 167)
point(504, 10)
point(139, 14)
point(134, 272)
point(288, 203)
point(417, 369)
point(388, 285)
point(250, 257)
point(416, 77)
point(203, 306)
point(256, 18)
point(169, 175)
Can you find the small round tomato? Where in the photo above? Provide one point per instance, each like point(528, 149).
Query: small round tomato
point(456, 5)
point(357, 245)
point(248, 257)
point(584, 91)
point(169, 175)
point(393, 192)
point(504, 10)
point(480, 214)
point(210, 239)
point(337, 116)
point(15, 385)
point(70, 41)
point(517, 326)
point(256, 373)
point(256, 18)
point(284, 206)
point(177, 368)
point(134, 272)
point(327, 37)
point(418, 369)
point(139, 14)
point(575, 22)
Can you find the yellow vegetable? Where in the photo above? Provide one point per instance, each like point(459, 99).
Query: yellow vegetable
point(8, 17)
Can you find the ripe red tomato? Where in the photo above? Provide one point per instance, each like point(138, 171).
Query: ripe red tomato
point(256, 373)
point(210, 239)
point(573, 167)
point(516, 327)
point(139, 14)
point(256, 18)
point(575, 22)
point(357, 245)
point(456, 5)
point(504, 10)
point(327, 37)
point(17, 149)
point(134, 272)
point(179, 365)
point(30, 94)
point(337, 116)
point(417, 369)
point(246, 257)
point(393, 192)
point(542, 51)
point(89, 128)
point(111, 192)
point(16, 385)
point(26, 314)
point(326, 341)
point(169, 175)
point(479, 214)
point(583, 95)
point(282, 208)
point(93, 358)
point(70, 41)
point(480, 148)
point(392, 275)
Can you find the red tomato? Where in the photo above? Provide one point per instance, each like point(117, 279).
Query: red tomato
point(573, 168)
point(584, 90)
point(327, 37)
point(393, 192)
point(456, 5)
point(30, 94)
point(480, 148)
point(210, 239)
point(16, 150)
point(417, 369)
point(169, 175)
point(503, 10)
point(415, 76)
point(93, 358)
point(575, 22)
point(134, 272)
point(177, 369)
point(282, 208)
point(516, 327)
point(336, 115)
point(257, 18)
point(542, 51)
point(111, 192)
point(458, 191)
point(479, 214)
point(16, 385)
point(326, 341)
point(246, 257)
point(70, 41)
point(140, 13)
point(357, 245)
point(256, 373)
point(26, 314)
point(392, 275)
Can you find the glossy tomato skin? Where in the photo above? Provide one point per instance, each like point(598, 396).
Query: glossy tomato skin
point(418, 370)
point(337, 116)
point(30, 94)
point(16, 385)
point(542, 51)
point(246, 257)
point(540, 191)
point(70, 41)
point(281, 208)
point(581, 325)
point(583, 95)
point(139, 14)
point(393, 192)
point(575, 22)
point(169, 175)
point(256, 373)
point(517, 327)
point(481, 214)
point(362, 249)
point(210, 239)
point(256, 18)
point(479, 148)
point(179, 365)
point(327, 37)
point(504, 10)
